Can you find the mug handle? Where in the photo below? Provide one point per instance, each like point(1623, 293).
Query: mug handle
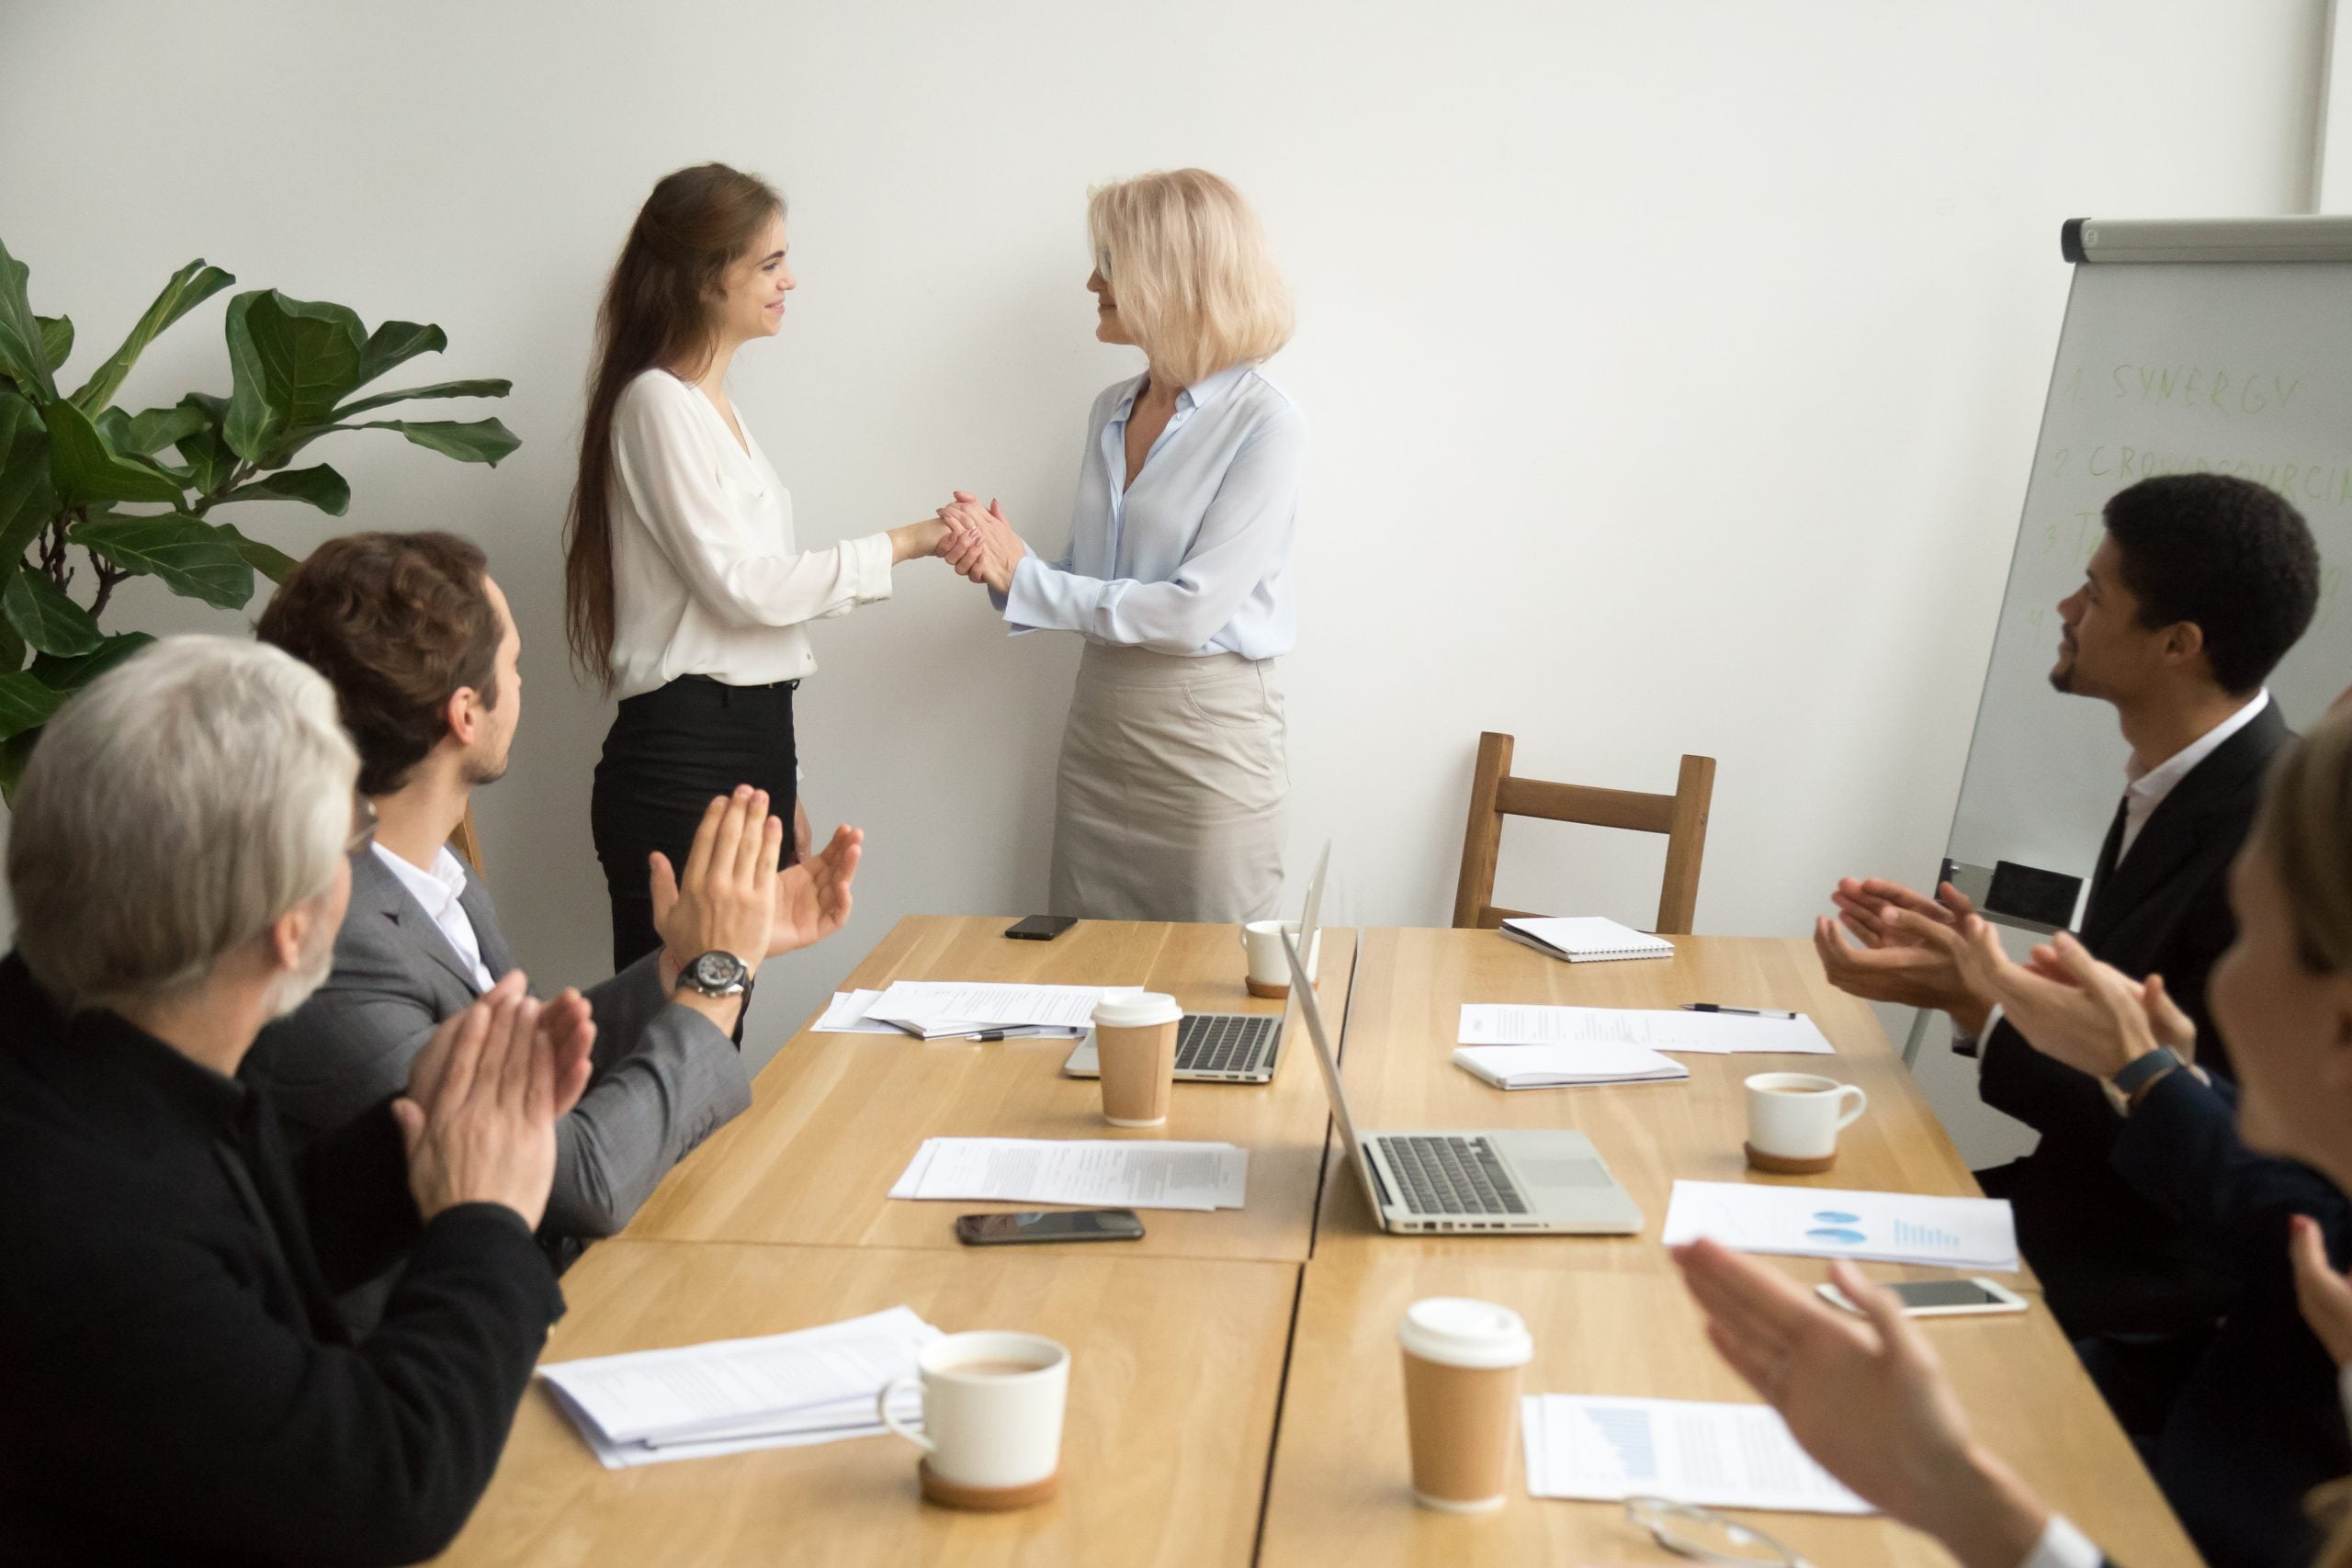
point(1861, 1103)
point(882, 1410)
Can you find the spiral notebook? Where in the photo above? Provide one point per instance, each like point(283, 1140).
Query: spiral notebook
point(1585, 938)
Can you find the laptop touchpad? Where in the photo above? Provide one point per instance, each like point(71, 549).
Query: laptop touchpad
point(1561, 1171)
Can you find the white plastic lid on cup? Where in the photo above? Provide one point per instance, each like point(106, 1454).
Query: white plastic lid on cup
point(1455, 1331)
point(1135, 1010)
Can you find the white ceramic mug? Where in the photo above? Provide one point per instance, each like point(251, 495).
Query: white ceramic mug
point(1798, 1115)
point(1262, 948)
point(991, 1432)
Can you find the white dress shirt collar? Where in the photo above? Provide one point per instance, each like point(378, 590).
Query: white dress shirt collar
point(437, 892)
point(2147, 787)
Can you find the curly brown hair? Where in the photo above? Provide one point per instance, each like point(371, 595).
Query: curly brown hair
point(396, 622)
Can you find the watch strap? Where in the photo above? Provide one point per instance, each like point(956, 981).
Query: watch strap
point(2137, 1075)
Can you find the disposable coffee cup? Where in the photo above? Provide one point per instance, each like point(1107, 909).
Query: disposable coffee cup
point(992, 1433)
point(1462, 1374)
point(1793, 1119)
point(1135, 1046)
point(1267, 967)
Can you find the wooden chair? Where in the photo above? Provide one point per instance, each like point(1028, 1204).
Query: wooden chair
point(1495, 794)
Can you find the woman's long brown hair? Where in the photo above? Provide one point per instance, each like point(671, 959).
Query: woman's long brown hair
point(656, 313)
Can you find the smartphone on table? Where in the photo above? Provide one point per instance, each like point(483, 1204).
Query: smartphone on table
point(1051, 1224)
point(1939, 1298)
point(1040, 928)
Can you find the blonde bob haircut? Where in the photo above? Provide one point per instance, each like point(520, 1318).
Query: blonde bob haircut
point(1189, 267)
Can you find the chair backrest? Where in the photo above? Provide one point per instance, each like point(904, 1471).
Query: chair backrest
point(465, 842)
point(1494, 795)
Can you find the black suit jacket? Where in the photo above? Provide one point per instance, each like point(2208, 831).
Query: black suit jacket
point(2111, 1261)
point(175, 1383)
point(2259, 1421)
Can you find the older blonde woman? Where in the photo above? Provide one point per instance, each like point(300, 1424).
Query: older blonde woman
point(1173, 769)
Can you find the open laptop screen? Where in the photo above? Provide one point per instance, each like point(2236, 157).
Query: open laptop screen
point(1312, 1010)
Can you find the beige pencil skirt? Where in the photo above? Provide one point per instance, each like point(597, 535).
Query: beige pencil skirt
point(1173, 775)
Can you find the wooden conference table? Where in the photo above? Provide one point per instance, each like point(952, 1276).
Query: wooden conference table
point(1192, 1346)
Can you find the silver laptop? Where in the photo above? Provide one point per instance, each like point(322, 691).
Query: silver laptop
point(1548, 1182)
point(1228, 1047)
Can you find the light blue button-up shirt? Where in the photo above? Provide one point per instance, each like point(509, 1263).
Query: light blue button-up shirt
point(1194, 558)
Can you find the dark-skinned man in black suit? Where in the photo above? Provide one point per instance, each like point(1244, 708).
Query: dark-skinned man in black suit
point(2200, 587)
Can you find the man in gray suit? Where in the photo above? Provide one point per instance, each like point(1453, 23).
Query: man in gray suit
point(423, 654)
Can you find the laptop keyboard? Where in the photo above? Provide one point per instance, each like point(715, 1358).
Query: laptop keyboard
point(1224, 1043)
point(1446, 1175)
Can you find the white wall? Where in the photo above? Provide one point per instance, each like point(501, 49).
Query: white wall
point(1673, 368)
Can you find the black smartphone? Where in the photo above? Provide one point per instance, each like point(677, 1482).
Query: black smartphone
point(1059, 1224)
point(1040, 928)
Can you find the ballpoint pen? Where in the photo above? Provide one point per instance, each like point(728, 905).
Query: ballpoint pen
point(1744, 1012)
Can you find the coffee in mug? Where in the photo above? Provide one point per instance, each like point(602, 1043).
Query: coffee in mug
point(1793, 1119)
point(1269, 968)
point(992, 1434)
point(1135, 1046)
point(1462, 1373)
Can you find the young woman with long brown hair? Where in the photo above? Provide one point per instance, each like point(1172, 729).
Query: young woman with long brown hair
point(685, 591)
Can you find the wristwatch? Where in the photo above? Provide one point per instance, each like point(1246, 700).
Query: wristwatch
point(716, 974)
point(2143, 1072)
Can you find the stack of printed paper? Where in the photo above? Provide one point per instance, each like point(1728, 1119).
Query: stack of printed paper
point(1720, 1456)
point(812, 1386)
point(944, 1009)
point(1659, 1028)
point(1822, 1221)
point(1091, 1173)
point(1560, 1066)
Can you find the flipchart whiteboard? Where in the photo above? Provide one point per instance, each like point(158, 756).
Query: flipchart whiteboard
point(2187, 348)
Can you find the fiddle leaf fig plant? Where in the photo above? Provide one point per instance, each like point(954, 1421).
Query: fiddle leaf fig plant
point(91, 495)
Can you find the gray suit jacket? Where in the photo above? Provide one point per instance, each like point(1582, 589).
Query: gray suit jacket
point(665, 1076)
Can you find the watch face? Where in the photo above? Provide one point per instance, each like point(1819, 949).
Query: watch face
point(717, 971)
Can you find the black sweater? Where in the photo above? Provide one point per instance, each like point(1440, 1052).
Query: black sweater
point(175, 1383)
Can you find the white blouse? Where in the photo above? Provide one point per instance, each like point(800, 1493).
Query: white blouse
point(1194, 558)
point(707, 579)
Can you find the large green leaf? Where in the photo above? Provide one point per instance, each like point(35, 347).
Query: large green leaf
point(189, 288)
point(149, 430)
point(56, 340)
point(47, 621)
point(320, 485)
point(28, 500)
point(293, 360)
point(211, 463)
point(12, 646)
point(87, 469)
point(267, 560)
point(190, 557)
point(22, 359)
point(481, 441)
point(71, 674)
point(493, 388)
point(25, 703)
point(397, 342)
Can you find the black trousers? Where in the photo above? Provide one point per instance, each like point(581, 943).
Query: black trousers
point(668, 752)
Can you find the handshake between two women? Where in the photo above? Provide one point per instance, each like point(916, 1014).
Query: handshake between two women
point(975, 540)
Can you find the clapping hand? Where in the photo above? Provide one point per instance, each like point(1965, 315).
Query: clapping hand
point(1895, 962)
point(980, 541)
point(1866, 1397)
point(812, 898)
point(727, 897)
point(2068, 1004)
point(2324, 1295)
point(483, 1099)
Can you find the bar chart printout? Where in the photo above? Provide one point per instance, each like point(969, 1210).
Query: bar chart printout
point(1822, 1222)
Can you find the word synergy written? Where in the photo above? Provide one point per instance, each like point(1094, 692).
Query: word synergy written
point(2189, 388)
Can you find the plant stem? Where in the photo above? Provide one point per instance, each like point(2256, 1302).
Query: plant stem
point(108, 577)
